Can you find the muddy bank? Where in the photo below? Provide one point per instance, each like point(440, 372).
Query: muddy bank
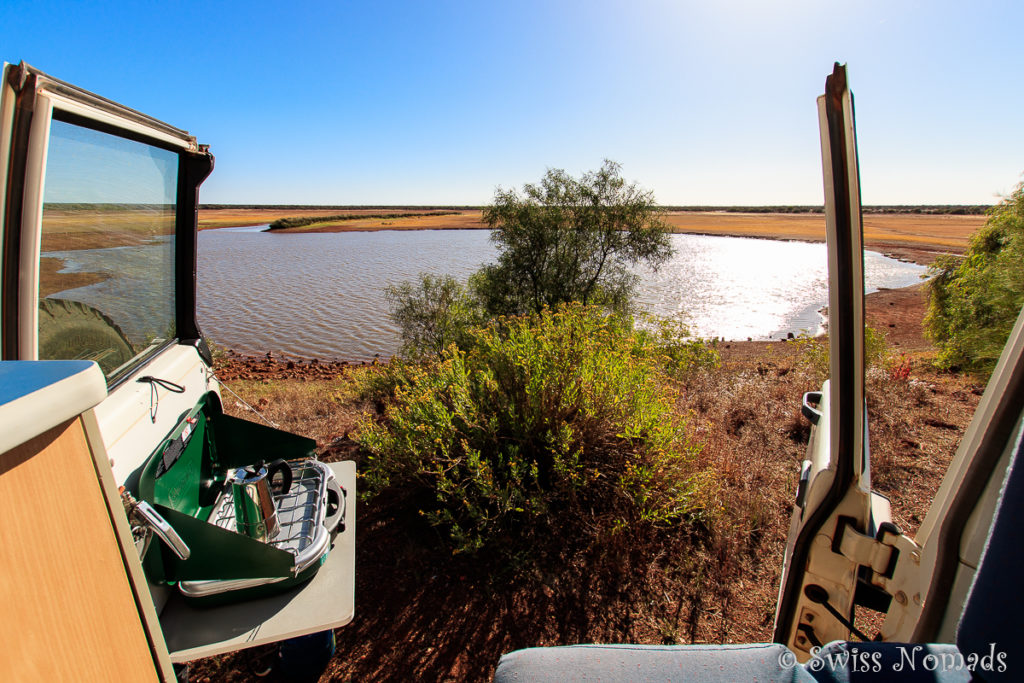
point(922, 256)
point(897, 313)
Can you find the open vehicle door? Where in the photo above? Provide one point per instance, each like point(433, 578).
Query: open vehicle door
point(836, 517)
point(85, 173)
point(97, 314)
point(843, 550)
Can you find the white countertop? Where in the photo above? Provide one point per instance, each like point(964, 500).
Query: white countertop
point(37, 395)
point(327, 601)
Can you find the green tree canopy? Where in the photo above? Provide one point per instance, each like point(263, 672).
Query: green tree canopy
point(975, 300)
point(570, 239)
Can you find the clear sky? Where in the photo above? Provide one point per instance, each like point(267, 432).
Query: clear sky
point(437, 102)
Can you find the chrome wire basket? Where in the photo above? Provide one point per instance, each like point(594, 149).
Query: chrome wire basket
point(301, 513)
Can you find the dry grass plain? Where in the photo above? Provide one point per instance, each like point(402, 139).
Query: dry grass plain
point(222, 218)
point(943, 233)
point(67, 230)
point(911, 230)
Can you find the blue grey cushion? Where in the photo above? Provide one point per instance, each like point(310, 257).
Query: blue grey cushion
point(641, 663)
point(990, 627)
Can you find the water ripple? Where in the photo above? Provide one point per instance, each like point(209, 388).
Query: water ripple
point(321, 295)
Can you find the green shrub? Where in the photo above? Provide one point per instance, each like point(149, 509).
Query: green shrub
point(815, 352)
point(680, 353)
point(975, 300)
point(540, 421)
point(431, 313)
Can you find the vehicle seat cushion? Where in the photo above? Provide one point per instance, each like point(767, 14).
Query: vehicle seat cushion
point(991, 621)
point(640, 663)
point(845, 662)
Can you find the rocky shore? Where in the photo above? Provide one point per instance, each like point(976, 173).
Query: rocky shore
point(233, 366)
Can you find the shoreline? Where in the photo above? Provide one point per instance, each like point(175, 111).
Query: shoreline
point(897, 313)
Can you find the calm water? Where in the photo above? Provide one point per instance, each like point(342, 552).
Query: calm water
point(321, 295)
point(139, 317)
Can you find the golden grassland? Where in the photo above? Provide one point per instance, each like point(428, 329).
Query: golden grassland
point(65, 230)
point(910, 230)
point(221, 218)
point(237, 217)
point(80, 229)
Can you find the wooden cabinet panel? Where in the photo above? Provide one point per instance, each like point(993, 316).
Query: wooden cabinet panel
point(67, 610)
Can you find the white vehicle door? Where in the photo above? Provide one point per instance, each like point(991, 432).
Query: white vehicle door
point(99, 252)
point(832, 517)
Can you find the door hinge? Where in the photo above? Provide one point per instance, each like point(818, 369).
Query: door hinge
point(900, 579)
point(868, 551)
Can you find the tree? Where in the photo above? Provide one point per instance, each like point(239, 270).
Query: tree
point(432, 313)
point(975, 300)
point(570, 239)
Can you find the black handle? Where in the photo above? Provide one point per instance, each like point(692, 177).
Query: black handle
point(335, 513)
point(810, 413)
point(284, 468)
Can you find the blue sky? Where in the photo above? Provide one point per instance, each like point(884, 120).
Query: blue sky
point(440, 102)
point(134, 173)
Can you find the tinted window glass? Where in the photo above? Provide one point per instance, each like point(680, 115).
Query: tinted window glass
point(106, 280)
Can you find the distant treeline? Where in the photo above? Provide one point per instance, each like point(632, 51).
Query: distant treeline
point(338, 207)
point(106, 206)
point(947, 210)
point(299, 221)
point(927, 209)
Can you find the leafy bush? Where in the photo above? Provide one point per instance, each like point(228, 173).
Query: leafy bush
point(975, 300)
point(815, 352)
point(548, 419)
point(679, 352)
point(431, 313)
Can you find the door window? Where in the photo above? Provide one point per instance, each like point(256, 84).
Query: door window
point(106, 273)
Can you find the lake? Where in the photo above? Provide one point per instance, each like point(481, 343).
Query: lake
point(320, 295)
